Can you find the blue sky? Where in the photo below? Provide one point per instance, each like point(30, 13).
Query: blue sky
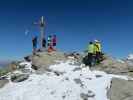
point(75, 22)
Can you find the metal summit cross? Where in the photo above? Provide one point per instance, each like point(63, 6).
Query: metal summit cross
point(41, 24)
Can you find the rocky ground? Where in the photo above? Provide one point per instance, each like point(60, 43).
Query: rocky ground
point(42, 60)
point(3, 82)
point(115, 66)
point(120, 89)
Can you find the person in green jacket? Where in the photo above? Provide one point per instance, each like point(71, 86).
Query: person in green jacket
point(98, 51)
point(91, 52)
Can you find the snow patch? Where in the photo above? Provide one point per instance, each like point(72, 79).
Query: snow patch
point(70, 85)
point(130, 57)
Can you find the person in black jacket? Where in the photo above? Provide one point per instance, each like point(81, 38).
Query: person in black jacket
point(34, 44)
point(44, 43)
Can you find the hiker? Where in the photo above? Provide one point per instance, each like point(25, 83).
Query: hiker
point(50, 45)
point(98, 54)
point(49, 40)
point(54, 40)
point(44, 43)
point(34, 44)
point(91, 54)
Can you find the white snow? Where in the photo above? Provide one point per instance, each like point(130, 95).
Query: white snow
point(69, 85)
point(130, 57)
point(121, 61)
point(27, 66)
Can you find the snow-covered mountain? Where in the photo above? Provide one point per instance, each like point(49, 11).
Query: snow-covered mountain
point(65, 81)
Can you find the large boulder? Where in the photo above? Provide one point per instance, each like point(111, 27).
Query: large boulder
point(42, 60)
point(130, 65)
point(113, 66)
point(16, 77)
point(121, 90)
point(12, 66)
point(28, 58)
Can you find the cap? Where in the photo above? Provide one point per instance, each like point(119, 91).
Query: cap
point(96, 41)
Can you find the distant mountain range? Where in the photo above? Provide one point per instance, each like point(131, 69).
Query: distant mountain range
point(4, 63)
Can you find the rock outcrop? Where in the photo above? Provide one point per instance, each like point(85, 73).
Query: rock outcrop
point(19, 77)
point(42, 60)
point(114, 66)
point(121, 90)
point(3, 82)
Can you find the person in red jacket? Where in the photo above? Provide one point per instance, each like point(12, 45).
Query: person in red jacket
point(54, 41)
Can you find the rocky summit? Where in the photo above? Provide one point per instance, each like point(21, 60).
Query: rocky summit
point(63, 76)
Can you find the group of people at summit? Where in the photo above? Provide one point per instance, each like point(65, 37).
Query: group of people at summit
point(94, 50)
point(49, 44)
point(95, 55)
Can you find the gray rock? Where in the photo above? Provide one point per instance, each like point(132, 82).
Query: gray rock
point(19, 77)
point(58, 73)
point(45, 59)
point(64, 96)
point(113, 66)
point(121, 90)
point(130, 68)
point(28, 58)
point(42, 60)
point(78, 81)
point(77, 69)
point(98, 76)
point(84, 96)
point(3, 82)
point(34, 67)
point(90, 94)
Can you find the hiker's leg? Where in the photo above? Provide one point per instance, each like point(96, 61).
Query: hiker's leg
point(93, 60)
point(54, 46)
point(98, 57)
point(89, 59)
point(34, 50)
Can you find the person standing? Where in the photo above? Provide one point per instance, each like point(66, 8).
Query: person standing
point(54, 41)
point(49, 40)
point(98, 51)
point(44, 43)
point(34, 44)
point(91, 54)
point(50, 45)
